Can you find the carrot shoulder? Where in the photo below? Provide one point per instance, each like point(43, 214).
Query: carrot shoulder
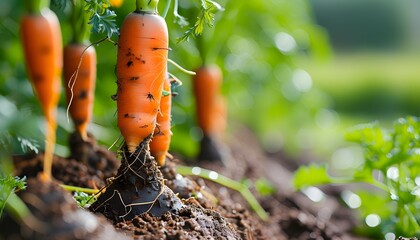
point(141, 70)
point(80, 84)
point(159, 145)
point(42, 46)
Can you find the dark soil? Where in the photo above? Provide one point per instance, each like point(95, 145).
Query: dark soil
point(137, 188)
point(88, 166)
point(211, 211)
point(55, 215)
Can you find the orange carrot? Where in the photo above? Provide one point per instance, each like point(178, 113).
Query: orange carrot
point(220, 112)
point(42, 46)
point(80, 84)
point(206, 86)
point(141, 70)
point(161, 140)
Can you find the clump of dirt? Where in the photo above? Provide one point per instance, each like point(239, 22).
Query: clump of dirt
point(66, 170)
point(92, 154)
point(190, 222)
point(55, 215)
point(137, 188)
point(89, 164)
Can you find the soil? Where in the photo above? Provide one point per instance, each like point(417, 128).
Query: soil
point(209, 210)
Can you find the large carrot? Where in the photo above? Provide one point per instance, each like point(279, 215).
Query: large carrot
point(141, 70)
point(42, 46)
point(80, 71)
point(161, 140)
point(206, 87)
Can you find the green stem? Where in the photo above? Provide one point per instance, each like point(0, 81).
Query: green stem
point(181, 68)
point(35, 6)
point(148, 6)
point(412, 217)
point(166, 10)
point(79, 189)
point(202, 49)
point(227, 182)
point(80, 23)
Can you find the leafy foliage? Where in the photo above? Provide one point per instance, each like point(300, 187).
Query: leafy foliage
point(8, 186)
point(102, 18)
point(395, 155)
point(264, 187)
point(205, 17)
point(83, 198)
point(311, 175)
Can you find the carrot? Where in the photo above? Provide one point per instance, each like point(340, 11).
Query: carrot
point(206, 85)
point(80, 90)
point(161, 140)
point(220, 112)
point(80, 70)
point(42, 47)
point(141, 69)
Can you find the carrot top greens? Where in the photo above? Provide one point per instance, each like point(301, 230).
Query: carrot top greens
point(392, 160)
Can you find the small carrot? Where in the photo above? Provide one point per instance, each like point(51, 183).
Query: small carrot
point(141, 70)
point(80, 69)
point(161, 140)
point(206, 87)
point(42, 47)
point(80, 84)
point(220, 114)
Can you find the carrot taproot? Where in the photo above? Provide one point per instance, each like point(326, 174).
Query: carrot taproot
point(42, 47)
point(206, 87)
point(220, 112)
point(79, 82)
point(80, 69)
point(141, 70)
point(159, 145)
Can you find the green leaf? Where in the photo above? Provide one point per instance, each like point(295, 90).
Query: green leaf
point(311, 175)
point(9, 185)
point(104, 23)
point(83, 199)
point(102, 19)
point(264, 187)
point(205, 17)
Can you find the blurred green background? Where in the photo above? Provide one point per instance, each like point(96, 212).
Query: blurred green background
point(298, 73)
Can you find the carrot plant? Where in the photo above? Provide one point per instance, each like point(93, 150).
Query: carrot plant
point(80, 70)
point(210, 110)
point(159, 145)
point(141, 72)
point(392, 166)
point(42, 46)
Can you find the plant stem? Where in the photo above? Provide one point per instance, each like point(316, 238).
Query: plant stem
point(35, 6)
point(149, 6)
point(79, 189)
point(166, 10)
point(181, 68)
point(227, 182)
point(80, 23)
